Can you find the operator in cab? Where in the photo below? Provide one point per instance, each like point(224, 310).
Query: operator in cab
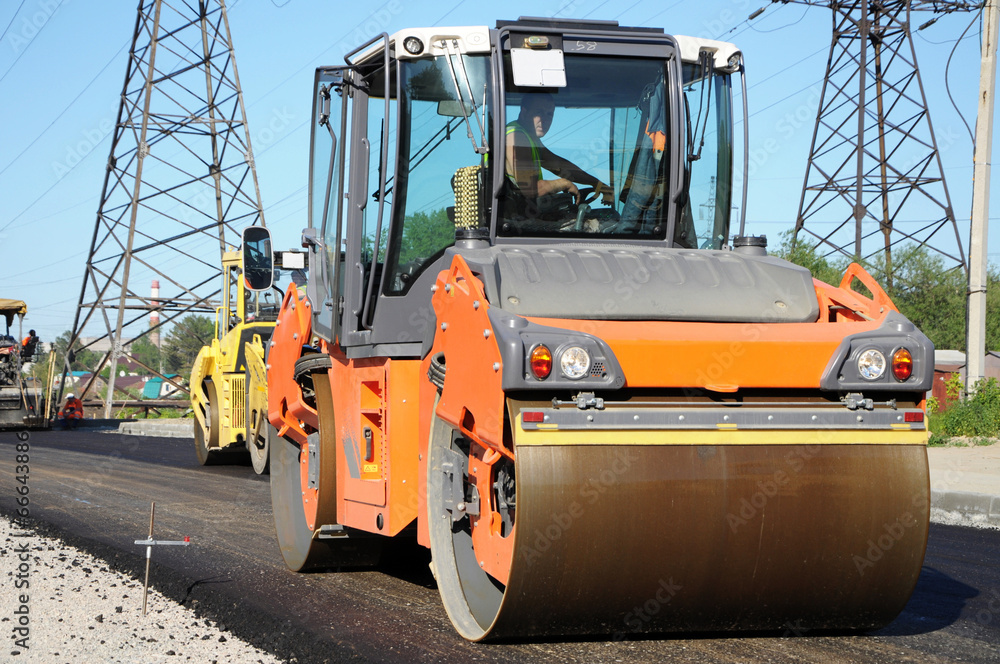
point(28, 345)
point(526, 156)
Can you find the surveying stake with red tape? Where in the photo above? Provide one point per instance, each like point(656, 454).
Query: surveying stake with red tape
point(150, 543)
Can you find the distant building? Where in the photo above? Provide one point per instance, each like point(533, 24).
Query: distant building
point(102, 346)
point(949, 363)
point(75, 380)
point(157, 388)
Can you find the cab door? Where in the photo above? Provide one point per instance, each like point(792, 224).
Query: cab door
point(330, 159)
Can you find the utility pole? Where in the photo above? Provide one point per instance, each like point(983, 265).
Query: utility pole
point(975, 364)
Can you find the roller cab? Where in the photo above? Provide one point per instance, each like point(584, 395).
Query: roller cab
point(229, 377)
point(601, 411)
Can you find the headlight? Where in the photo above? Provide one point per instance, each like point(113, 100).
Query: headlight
point(413, 45)
point(871, 364)
point(575, 362)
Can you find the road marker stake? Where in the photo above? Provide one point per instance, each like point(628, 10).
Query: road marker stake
point(149, 543)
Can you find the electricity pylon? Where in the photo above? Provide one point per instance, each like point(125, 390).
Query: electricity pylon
point(180, 182)
point(874, 178)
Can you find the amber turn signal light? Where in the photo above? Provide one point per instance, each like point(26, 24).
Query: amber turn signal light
point(902, 364)
point(540, 361)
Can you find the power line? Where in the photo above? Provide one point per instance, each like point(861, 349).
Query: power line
point(947, 68)
point(661, 13)
point(13, 16)
point(791, 66)
point(276, 87)
point(449, 12)
point(747, 23)
point(625, 11)
point(63, 112)
point(805, 10)
point(21, 54)
point(70, 105)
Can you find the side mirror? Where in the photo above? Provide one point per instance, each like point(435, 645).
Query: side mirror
point(258, 259)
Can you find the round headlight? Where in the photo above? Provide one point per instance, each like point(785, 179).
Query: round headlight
point(575, 362)
point(871, 364)
point(540, 361)
point(413, 45)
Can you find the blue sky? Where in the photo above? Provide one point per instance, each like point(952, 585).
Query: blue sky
point(62, 64)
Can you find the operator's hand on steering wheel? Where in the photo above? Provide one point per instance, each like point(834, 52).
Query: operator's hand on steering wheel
point(573, 191)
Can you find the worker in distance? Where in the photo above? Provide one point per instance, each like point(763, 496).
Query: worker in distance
point(71, 413)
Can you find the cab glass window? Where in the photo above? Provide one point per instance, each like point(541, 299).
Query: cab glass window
point(440, 182)
point(608, 132)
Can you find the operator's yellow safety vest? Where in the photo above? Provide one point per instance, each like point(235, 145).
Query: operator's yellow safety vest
point(536, 156)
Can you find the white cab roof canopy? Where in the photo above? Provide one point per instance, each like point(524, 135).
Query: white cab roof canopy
point(476, 39)
point(469, 38)
point(723, 51)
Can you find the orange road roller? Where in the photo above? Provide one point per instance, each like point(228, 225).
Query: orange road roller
point(530, 340)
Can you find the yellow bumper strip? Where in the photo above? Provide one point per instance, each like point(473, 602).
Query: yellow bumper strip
point(553, 436)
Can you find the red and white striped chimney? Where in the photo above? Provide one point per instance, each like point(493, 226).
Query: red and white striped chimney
point(154, 315)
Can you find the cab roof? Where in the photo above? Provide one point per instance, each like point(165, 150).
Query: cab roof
point(476, 39)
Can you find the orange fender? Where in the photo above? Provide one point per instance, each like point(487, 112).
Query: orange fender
point(286, 409)
point(472, 398)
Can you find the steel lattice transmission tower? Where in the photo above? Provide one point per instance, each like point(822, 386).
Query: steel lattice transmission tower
point(180, 182)
point(874, 178)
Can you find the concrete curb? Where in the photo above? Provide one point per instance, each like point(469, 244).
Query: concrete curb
point(964, 508)
point(87, 423)
point(173, 428)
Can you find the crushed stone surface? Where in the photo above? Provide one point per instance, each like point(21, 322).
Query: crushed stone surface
point(59, 604)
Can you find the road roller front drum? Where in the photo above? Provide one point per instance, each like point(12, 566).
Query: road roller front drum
point(638, 537)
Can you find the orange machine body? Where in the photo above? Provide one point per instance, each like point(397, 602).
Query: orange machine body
point(383, 408)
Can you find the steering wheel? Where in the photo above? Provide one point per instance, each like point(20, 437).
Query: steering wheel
point(556, 206)
point(587, 195)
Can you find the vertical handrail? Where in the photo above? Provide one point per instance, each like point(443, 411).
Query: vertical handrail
point(367, 311)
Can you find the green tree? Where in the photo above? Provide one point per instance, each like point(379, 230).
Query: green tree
point(993, 309)
point(145, 351)
point(424, 234)
point(923, 289)
point(82, 359)
point(977, 416)
point(185, 340)
point(805, 254)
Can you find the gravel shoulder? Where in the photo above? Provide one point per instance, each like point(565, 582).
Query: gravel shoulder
point(61, 604)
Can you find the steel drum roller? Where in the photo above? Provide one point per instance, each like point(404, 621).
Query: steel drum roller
point(636, 537)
